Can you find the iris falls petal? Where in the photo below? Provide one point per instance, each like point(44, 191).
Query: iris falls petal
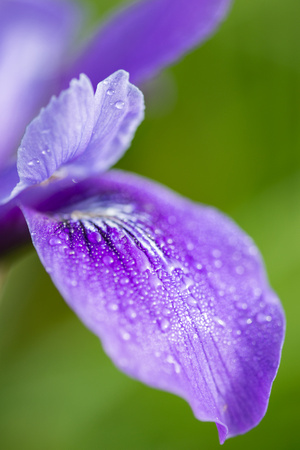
point(147, 36)
point(176, 292)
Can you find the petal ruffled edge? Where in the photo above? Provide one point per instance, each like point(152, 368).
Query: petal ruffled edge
point(176, 292)
point(78, 134)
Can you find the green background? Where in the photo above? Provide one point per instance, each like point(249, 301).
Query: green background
point(224, 130)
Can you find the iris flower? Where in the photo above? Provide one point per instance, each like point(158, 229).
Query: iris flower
point(175, 290)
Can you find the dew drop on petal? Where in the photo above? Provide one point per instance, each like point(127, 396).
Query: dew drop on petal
point(55, 241)
point(125, 335)
point(241, 305)
point(171, 360)
point(107, 260)
point(219, 321)
point(119, 104)
point(240, 270)
point(191, 301)
point(166, 312)
point(164, 324)
point(216, 253)
point(245, 321)
point(261, 318)
point(94, 237)
point(110, 92)
point(113, 307)
point(130, 313)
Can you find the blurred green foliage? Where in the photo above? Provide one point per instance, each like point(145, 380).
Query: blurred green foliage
point(228, 135)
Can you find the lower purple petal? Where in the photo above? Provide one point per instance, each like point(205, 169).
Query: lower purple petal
point(175, 290)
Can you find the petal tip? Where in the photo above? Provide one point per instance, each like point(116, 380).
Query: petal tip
point(222, 431)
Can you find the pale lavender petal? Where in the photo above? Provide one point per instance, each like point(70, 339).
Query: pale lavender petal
point(60, 133)
point(176, 291)
point(34, 36)
point(148, 35)
point(119, 109)
point(79, 133)
point(9, 178)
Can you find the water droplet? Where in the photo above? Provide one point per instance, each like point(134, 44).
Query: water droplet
point(124, 280)
point(94, 237)
point(54, 241)
point(166, 312)
point(219, 321)
point(216, 253)
point(125, 335)
point(110, 92)
point(218, 263)
point(113, 307)
point(164, 325)
point(107, 260)
point(191, 301)
point(171, 360)
point(130, 313)
point(199, 266)
point(240, 270)
point(72, 282)
point(261, 318)
point(119, 104)
point(245, 321)
point(241, 305)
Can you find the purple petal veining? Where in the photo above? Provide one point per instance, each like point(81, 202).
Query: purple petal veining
point(176, 291)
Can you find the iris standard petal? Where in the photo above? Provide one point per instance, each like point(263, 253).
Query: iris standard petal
point(147, 36)
point(119, 109)
point(78, 134)
point(175, 290)
point(34, 35)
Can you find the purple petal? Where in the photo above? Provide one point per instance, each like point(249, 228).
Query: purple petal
point(14, 230)
point(147, 36)
point(78, 134)
point(34, 35)
point(176, 291)
point(119, 109)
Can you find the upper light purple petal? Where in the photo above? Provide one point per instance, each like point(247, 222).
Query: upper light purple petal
point(176, 291)
point(34, 35)
point(148, 35)
point(78, 134)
